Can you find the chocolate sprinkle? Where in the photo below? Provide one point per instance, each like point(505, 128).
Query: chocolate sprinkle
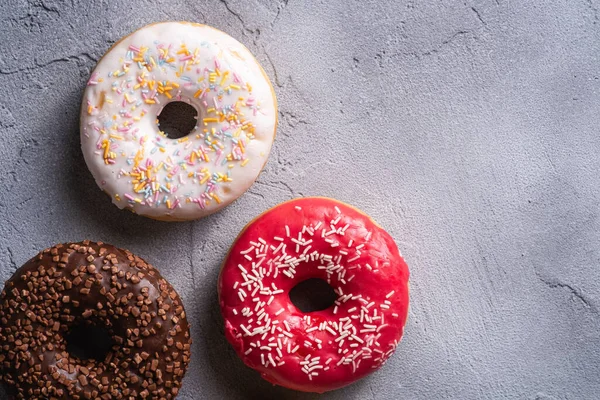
point(95, 284)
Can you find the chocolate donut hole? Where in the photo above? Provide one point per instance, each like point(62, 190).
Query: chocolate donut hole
point(88, 342)
point(177, 119)
point(312, 294)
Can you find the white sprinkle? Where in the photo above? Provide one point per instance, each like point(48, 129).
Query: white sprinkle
point(341, 338)
point(247, 257)
point(295, 349)
point(390, 294)
point(315, 367)
point(287, 231)
point(281, 246)
point(328, 329)
point(314, 328)
point(288, 274)
point(298, 208)
point(234, 311)
point(356, 257)
point(279, 238)
point(247, 250)
point(337, 209)
point(359, 340)
point(248, 351)
point(246, 331)
point(280, 311)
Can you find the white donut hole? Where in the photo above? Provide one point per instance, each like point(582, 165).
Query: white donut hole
point(177, 119)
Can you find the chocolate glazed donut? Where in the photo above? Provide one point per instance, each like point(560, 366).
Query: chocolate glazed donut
point(98, 287)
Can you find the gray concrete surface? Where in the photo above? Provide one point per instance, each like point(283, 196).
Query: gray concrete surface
point(469, 130)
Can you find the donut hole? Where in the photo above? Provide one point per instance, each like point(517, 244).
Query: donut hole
point(88, 342)
point(177, 119)
point(312, 294)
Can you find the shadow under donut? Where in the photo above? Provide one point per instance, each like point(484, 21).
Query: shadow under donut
point(90, 203)
point(236, 379)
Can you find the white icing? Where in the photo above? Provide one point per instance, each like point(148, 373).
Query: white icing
point(117, 111)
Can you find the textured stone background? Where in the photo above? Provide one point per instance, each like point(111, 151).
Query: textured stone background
point(469, 130)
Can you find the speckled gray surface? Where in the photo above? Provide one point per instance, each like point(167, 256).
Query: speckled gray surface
point(469, 130)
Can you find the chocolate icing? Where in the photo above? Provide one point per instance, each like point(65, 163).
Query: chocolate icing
point(95, 284)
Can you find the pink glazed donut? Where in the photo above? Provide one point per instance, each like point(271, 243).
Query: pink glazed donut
point(321, 350)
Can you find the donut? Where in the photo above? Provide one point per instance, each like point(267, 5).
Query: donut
point(136, 163)
point(318, 351)
point(97, 286)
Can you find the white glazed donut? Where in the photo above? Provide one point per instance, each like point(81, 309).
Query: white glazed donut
point(187, 178)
